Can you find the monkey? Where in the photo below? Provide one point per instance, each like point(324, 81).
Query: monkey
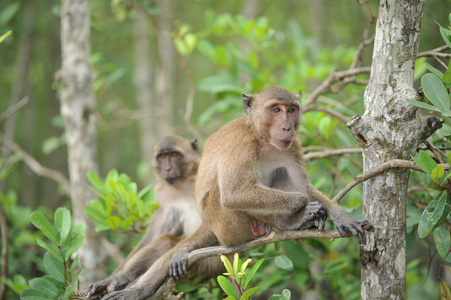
point(176, 161)
point(252, 177)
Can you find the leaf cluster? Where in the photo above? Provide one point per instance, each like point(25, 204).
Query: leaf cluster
point(120, 207)
point(63, 271)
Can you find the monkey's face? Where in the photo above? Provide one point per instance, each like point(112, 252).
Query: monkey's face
point(283, 119)
point(170, 165)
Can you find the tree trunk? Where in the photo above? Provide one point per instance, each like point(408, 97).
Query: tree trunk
point(149, 125)
point(164, 66)
point(390, 129)
point(77, 109)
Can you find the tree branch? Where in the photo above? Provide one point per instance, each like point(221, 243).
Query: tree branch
point(330, 152)
point(35, 165)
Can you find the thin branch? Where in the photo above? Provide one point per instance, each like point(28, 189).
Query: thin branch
point(334, 77)
point(435, 52)
point(396, 163)
point(330, 152)
point(4, 255)
point(327, 110)
point(13, 109)
point(35, 165)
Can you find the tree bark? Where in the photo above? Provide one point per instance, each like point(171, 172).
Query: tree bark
point(164, 66)
point(390, 129)
point(149, 125)
point(77, 109)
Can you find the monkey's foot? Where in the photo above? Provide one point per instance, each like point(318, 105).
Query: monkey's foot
point(103, 286)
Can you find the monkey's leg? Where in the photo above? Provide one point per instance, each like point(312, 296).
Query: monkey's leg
point(146, 286)
point(134, 266)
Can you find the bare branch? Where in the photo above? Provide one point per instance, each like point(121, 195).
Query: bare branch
point(396, 163)
point(35, 165)
point(330, 152)
point(334, 77)
point(13, 109)
point(437, 52)
point(328, 111)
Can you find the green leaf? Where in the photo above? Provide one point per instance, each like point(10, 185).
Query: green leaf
point(437, 173)
point(32, 294)
point(44, 285)
point(63, 222)
point(446, 35)
point(442, 242)
point(97, 215)
point(426, 162)
point(54, 267)
point(41, 222)
point(76, 240)
point(435, 91)
point(8, 13)
point(283, 262)
point(432, 214)
point(95, 181)
point(227, 286)
point(422, 105)
point(52, 248)
point(114, 222)
point(252, 272)
point(248, 293)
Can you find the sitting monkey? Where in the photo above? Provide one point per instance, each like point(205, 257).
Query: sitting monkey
point(176, 163)
point(252, 176)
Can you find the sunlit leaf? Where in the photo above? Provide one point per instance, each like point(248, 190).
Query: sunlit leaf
point(63, 222)
point(435, 91)
point(41, 222)
point(227, 286)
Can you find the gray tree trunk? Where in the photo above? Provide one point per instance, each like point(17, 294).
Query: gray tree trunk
point(165, 58)
point(149, 125)
point(77, 109)
point(390, 129)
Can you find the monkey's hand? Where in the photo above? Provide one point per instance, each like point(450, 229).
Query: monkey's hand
point(179, 261)
point(346, 224)
point(312, 214)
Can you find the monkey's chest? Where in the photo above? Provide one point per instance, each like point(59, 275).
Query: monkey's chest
point(281, 177)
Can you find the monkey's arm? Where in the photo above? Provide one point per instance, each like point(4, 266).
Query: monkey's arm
point(343, 222)
point(202, 237)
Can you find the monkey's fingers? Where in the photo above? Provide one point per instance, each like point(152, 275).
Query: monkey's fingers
point(177, 270)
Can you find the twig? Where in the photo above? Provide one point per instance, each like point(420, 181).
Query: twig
point(5, 246)
point(329, 111)
point(35, 165)
point(396, 163)
point(329, 152)
point(334, 77)
point(435, 52)
point(13, 109)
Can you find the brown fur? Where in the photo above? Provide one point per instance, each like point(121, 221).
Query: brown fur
point(177, 216)
point(251, 177)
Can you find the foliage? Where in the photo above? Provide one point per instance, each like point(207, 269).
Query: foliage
point(245, 53)
point(63, 271)
point(121, 207)
point(238, 275)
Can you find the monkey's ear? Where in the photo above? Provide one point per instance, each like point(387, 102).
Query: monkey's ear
point(247, 103)
point(195, 146)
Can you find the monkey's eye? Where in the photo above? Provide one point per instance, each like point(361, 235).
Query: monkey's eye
point(174, 154)
point(291, 109)
point(276, 109)
point(162, 155)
